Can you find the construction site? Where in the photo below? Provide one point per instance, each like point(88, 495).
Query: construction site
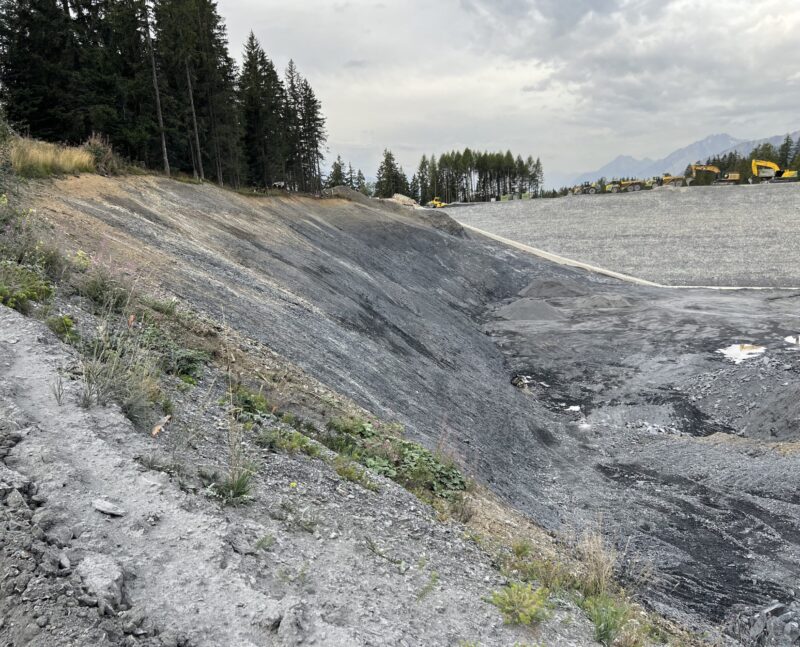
point(584, 394)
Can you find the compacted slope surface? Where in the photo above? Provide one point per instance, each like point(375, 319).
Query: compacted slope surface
point(578, 399)
point(713, 235)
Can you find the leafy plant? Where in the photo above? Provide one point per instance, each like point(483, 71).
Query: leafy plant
point(408, 463)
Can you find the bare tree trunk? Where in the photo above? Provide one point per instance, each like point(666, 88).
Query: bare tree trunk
point(157, 92)
point(194, 121)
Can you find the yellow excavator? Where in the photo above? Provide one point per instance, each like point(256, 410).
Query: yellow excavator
point(436, 203)
point(765, 171)
point(720, 179)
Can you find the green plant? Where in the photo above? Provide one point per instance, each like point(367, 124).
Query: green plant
point(550, 573)
point(57, 389)
point(265, 543)
point(608, 614)
point(289, 441)
point(20, 285)
point(250, 402)
point(64, 327)
point(408, 463)
point(350, 471)
point(433, 580)
point(235, 487)
point(106, 291)
point(520, 604)
point(521, 548)
point(167, 308)
point(118, 366)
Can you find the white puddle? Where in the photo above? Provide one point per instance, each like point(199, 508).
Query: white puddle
point(740, 352)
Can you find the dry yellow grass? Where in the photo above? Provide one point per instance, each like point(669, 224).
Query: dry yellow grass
point(33, 158)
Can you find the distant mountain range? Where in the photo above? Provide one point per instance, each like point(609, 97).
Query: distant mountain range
point(677, 161)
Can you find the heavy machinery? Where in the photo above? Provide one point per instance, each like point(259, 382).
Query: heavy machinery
point(618, 186)
point(765, 171)
point(587, 188)
point(720, 177)
point(671, 180)
point(436, 203)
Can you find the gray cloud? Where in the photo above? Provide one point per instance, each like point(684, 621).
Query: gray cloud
point(576, 82)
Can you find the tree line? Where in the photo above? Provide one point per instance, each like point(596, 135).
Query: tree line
point(461, 176)
point(156, 79)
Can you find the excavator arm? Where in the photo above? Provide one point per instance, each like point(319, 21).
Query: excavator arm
point(757, 165)
point(704, 167)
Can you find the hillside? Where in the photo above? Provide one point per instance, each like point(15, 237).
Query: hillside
point(570, 397)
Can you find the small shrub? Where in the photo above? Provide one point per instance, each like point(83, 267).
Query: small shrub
point(250, 402)
point(521, 548)
point(520, 604)
point(20, 285)
point(104, 160)
point(608, 614)
point(63, 327)
point(106, 291)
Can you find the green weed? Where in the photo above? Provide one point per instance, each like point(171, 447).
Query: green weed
point(520, 604)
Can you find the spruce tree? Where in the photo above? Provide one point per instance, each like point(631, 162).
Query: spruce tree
point(785, 152)
point(337, 176)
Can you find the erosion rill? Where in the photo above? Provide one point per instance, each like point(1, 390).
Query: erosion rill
point(580, 401)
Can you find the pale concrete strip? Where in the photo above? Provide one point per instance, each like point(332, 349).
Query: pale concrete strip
point(562, 260)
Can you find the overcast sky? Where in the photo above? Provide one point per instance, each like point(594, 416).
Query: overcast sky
point(574, 81)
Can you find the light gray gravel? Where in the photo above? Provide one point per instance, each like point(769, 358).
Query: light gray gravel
point(721, 236)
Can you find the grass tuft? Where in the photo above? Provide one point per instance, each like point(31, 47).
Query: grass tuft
point(36, 159)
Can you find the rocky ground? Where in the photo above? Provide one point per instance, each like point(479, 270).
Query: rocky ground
point(103, 545)
point(714, 235)
point(579, 400)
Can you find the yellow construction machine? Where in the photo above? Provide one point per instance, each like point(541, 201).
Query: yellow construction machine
point(436, 203)
point(618, 186)
point(765, 171)
point(720, 177)
point(671, 180)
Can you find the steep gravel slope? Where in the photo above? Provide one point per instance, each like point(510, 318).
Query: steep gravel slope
point(574, 397)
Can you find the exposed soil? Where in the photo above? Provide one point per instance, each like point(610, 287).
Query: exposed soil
point(626, 412)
